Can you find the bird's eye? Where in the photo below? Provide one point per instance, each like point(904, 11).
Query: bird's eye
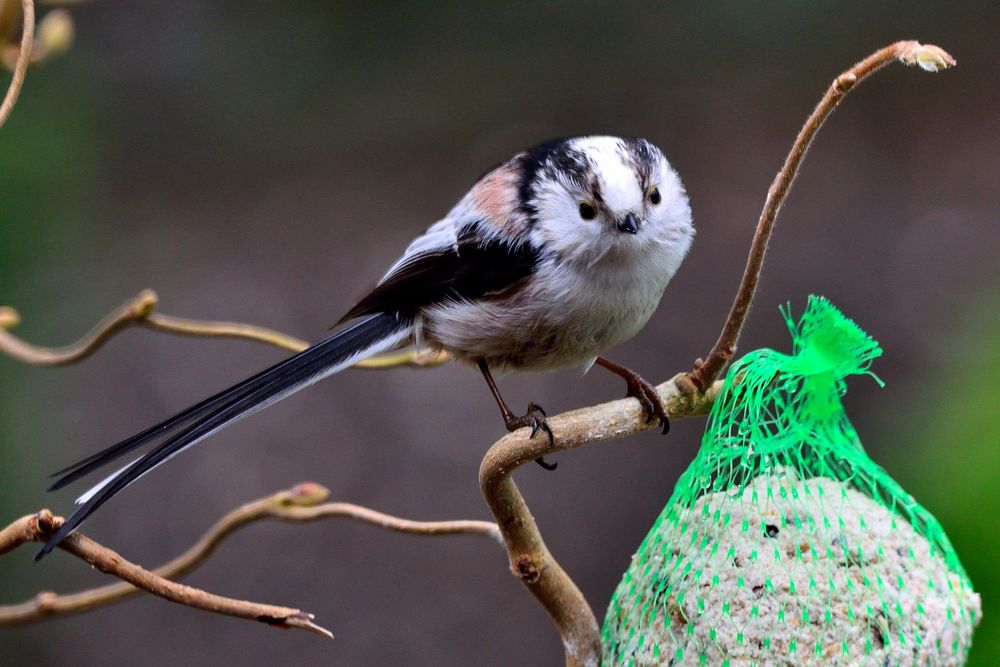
point(654, 195)
point(587, 211)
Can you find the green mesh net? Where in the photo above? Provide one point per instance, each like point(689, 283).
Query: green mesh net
point(783, 543)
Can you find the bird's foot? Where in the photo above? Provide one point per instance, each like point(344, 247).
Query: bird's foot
point(640, 389)
point(535, 417)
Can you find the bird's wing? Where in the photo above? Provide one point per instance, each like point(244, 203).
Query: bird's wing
point(460, 263)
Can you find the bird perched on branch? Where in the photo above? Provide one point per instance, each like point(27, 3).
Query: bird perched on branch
point(554, 256)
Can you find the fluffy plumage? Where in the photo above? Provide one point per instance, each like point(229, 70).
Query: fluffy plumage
point(552, 257)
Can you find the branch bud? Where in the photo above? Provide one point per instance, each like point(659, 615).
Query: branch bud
point(930, 58)
point(307, 494)
point(9, 318)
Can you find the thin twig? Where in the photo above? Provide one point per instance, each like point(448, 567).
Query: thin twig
point(21, 66)
point(141, 311)
point(929, 57)
point(38, 527)
point(530, 559)
point(299, 504)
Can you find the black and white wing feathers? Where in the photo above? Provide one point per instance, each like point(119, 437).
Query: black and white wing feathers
point(465, 265)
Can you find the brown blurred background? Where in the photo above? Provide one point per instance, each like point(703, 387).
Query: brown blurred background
point(265, 161)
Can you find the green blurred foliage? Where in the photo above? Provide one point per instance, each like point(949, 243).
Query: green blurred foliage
point(949, 433)
point(51, 159)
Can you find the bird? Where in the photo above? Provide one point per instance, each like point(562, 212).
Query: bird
point(552, 257)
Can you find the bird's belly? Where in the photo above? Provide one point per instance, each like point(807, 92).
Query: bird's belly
point(515, 336)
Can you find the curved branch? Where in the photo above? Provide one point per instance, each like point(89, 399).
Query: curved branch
point(23, 57)
point(141, 311)
point(38, 527)
point(928, 57)
point(128, 314)
point(299, 504)
point(530, 559)
point(685, 395)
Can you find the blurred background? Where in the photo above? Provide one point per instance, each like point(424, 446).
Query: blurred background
point(265, 161)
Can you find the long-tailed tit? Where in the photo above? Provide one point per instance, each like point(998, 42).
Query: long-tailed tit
point(551, 258)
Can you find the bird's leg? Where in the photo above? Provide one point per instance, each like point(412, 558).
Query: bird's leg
point(642, 390)
point(534, 417)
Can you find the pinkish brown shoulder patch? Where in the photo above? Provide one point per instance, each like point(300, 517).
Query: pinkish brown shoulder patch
point(495, 196)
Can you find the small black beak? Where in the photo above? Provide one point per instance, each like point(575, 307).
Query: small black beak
point(630, 224)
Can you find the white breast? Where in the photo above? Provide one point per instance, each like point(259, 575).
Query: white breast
point(565, 315)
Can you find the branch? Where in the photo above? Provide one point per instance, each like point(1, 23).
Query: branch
point(141, 311)
point(299, 504)
point(38, 527)
point(530, 559)
point(685, 395)
point(928, 57)
point(21, 66)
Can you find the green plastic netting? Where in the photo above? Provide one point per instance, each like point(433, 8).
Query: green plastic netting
point(783, 543)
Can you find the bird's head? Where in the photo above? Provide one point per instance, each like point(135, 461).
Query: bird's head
point(592, 197)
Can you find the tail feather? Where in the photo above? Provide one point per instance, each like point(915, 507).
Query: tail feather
point(71, 473)
point(369, 336)
point(84, 467)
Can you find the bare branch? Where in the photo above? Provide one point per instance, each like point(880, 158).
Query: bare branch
point(530, 559)
point(38, 527)
point(24, 530)
point(299, 504)
point(928, 57)
point(21, 66)
point(141, 311)
point(128, 314)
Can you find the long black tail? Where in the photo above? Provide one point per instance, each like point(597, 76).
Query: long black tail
point(367, 337)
